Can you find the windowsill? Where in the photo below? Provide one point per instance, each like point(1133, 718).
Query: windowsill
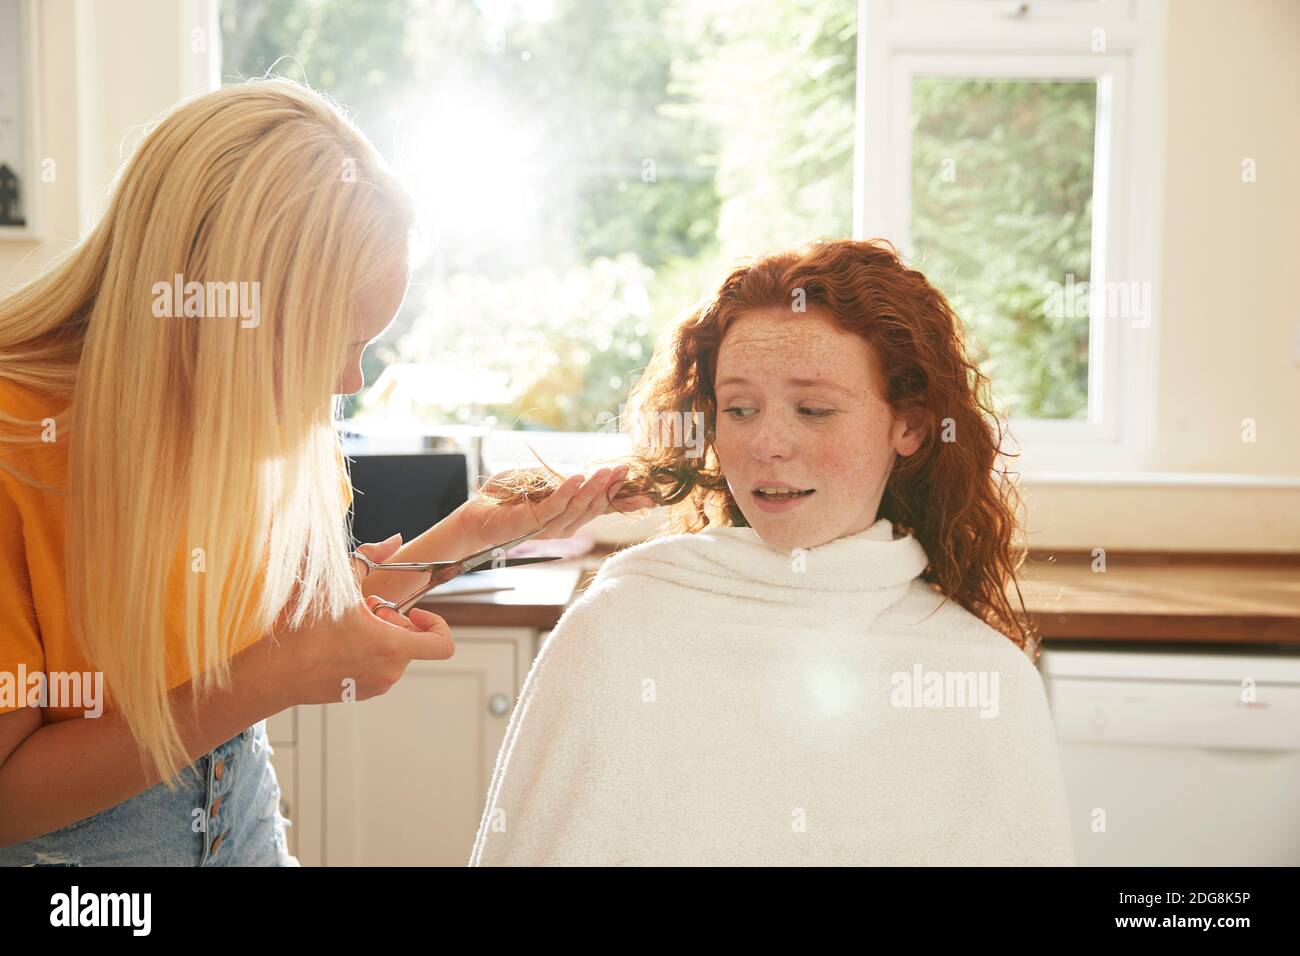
point(1163, 479)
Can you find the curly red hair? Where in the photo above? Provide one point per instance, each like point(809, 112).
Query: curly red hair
point(948, 494)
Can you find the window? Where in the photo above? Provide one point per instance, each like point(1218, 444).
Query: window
point(587, 171)
point(1013, 152)
point(1002, 192)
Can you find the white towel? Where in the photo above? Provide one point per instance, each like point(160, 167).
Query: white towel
point(712, 700)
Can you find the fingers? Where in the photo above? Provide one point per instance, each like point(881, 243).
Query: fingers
point(589, 502)
point(557, 501)
point(430, 639)
point(416, 619)
point(425, 620)
point(383, 550)
point(635, 503)
point(424, 635)
point(387, 614)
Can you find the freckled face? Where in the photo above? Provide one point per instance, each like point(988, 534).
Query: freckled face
point(801, 407)
point(377, 308)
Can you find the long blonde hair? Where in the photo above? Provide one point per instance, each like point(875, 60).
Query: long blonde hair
point(203, 457)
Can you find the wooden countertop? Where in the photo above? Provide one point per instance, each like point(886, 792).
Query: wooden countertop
point(537, 598)
point(1194, 598)
point(1140, 597)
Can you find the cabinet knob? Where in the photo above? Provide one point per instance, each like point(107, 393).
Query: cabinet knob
point(498, 704)
point(284, 808)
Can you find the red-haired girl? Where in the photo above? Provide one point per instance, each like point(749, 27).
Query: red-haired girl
point(822, 664)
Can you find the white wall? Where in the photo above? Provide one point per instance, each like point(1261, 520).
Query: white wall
point(105, 70)
point(1231, 248)
point(1230, 327)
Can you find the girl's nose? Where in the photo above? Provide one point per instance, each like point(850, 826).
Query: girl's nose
point(771, 439)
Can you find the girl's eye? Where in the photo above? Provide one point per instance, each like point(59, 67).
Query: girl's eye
point(818, 412)
point(736, 408)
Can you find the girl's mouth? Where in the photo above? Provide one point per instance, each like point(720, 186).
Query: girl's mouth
point(772, 498)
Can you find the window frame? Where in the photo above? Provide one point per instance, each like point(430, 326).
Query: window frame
point(900, 40)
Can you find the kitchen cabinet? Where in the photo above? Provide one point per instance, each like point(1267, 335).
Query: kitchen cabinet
point(1178, 759)
point(401, 779)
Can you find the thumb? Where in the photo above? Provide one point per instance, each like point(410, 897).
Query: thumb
point(383, 550)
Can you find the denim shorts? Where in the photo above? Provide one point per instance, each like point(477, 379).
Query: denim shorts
point(225, 811)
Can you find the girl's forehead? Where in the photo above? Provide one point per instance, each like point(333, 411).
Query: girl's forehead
point(798, 344)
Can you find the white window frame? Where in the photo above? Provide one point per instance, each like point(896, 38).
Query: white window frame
point(902, 39)
point(198, 48)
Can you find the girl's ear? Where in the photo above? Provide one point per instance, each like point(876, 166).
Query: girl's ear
point(909, 428)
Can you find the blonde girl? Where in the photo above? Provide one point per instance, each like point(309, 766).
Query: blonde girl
point(173, 497)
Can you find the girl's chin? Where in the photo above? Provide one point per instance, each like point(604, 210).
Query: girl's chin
point(785, 532)
point(789, 530)
point(789, 542)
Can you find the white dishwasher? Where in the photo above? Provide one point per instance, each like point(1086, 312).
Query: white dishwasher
point(1168, 761)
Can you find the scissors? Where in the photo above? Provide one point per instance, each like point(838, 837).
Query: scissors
point(440, 572)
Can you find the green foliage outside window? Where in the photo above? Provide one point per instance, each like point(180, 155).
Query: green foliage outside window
point(664, 140)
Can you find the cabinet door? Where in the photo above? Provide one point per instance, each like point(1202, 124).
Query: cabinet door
point(284, 758)
point(406, 774)
point(281, 728)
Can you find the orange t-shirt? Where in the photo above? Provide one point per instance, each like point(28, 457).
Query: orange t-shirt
point(35, 635)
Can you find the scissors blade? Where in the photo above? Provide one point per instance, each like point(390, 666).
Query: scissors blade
point(474, 560)
point(441, 574)
point(513, 563)
point(446, 575)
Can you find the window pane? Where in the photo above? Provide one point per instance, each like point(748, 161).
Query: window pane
point(1002, 183)
point(585, 172)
